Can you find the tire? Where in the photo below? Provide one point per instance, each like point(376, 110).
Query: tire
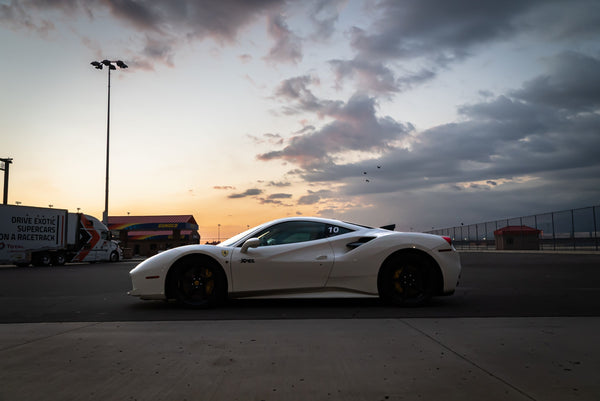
point(114, 257)
point(406, 279)
point(43, 259)
point(199, 282)
point(59, 259)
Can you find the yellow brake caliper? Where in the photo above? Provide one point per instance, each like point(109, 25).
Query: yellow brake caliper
point(209, 284)
point(397, 284)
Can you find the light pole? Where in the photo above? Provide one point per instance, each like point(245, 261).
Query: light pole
point(111, 66)
point(6, 162)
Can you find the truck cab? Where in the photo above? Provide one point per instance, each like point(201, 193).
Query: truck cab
point(91, 240)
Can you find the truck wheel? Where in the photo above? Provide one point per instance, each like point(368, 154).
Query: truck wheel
point(59, 259)
point(43, 259)
point(114, 257)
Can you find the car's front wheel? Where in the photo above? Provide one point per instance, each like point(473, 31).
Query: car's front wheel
point(406, 279)
point(199, 282)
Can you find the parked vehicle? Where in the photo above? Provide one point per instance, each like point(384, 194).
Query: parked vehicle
point(47, 236)
point(303, 255)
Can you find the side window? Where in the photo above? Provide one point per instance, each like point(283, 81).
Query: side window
point(292, 232)
point(332, 231)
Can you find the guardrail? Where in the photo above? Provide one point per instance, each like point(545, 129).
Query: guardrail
point(574, 229)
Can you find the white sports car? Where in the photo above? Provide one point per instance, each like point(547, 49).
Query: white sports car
point(303, 255)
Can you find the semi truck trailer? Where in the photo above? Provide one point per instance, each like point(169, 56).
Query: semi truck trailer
point(47, 236)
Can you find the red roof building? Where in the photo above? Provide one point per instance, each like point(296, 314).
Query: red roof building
point(517, 238)
point(148, 235)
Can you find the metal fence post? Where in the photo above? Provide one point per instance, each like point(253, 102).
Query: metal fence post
point(573, 228)
point(595, 228)
point(553, 233)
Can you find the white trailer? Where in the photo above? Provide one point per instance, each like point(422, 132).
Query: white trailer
point(47, 236)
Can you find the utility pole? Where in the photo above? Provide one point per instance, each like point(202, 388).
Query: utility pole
point(5, 166)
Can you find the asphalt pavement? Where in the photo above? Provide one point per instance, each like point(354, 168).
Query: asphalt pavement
point(367, 352)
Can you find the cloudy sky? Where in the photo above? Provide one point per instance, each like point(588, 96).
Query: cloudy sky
point(423, 113)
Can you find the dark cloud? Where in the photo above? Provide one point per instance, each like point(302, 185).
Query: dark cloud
point(372, 76)
point(439, 33)
point(288, 46)
point(143, 15)
point(275, 199)
point(161, 24)
point(376, 77)
point(17, 15)
point(296, 92)
point(436, 30)
point(531, 145)
point(268, 138)
point(439, 29)
point(324, 15)
point(280, 196)
point(355, 128)
point(314, 197)
point(279, 184)
point(247, 193)
point(573, 83)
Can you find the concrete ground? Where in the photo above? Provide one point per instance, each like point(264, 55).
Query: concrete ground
point(334, 359)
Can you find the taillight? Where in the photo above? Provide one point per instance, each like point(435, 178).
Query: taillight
point(448, 240)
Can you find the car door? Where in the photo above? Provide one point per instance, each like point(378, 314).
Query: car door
point(291, 255)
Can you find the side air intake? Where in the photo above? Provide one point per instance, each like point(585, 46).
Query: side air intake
point(359, 242)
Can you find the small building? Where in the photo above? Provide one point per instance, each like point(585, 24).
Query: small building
point(149, 235)
point(517, 238)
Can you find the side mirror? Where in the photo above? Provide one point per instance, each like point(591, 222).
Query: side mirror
point(250, 243)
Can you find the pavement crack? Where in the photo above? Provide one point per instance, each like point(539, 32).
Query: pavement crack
point(469, 361)
point(34, 340)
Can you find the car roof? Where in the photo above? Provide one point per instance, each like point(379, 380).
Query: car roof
point(316, 219)
point(236, 239)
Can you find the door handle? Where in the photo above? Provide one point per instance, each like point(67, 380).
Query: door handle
point(322, 257)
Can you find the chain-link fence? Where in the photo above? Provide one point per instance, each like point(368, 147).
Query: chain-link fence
point(575, 229)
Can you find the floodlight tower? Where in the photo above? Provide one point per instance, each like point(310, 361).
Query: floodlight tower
point(111, 66)
point(5, 166)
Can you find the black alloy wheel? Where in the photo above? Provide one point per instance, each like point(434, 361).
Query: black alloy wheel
point(199, 284)
point(406, 280)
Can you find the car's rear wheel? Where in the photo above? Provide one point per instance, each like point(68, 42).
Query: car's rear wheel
point(406, 279)
point(199, 282)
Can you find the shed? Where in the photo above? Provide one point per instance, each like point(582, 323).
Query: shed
point(517, 238)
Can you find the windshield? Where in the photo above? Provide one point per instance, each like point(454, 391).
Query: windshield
point(236, 238)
